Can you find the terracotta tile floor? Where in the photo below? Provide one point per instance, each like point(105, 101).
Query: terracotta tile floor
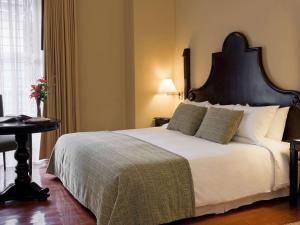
point(63, 209)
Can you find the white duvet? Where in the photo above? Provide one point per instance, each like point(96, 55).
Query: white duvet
point(223, 173)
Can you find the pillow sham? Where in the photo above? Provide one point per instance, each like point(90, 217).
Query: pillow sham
point(256, 122)
point(187, 118)
point(219, 125)
point(202, 104)
point(165, 125)
point(277, 127)
point(231, 107)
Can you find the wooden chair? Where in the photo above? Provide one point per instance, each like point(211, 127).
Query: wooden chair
point(8, 143)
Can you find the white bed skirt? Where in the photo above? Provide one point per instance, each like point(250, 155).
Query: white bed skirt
point(225, 207)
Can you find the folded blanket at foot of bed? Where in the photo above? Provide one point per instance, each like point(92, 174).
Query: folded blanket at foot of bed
point(124, 180)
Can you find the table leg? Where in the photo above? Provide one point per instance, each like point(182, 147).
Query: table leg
point(23, 188)
point(293, 177)
point(29, 146)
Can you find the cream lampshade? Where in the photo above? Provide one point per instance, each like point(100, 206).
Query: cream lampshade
point(167, 87)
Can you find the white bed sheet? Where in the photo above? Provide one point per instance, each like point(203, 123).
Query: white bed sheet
point(224, 173)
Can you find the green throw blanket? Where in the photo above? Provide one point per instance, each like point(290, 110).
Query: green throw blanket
point(123, 180)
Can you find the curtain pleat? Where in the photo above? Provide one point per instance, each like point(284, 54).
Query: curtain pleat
point(60, 46)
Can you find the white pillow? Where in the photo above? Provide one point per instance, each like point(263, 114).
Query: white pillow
point(242, 140)
point(165, 125)
point(256, 122)
point(231, 107)
point(202, 104)
point(277, 127)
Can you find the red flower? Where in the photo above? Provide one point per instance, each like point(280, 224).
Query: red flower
point(35, 88)
point(43, 81)
point(34, 95)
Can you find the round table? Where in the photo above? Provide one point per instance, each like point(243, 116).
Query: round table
point(23, 188)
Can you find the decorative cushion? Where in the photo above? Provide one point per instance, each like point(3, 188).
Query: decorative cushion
point(187, 118)
point(219, 125)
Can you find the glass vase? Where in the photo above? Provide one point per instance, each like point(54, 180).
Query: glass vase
point(38, 108)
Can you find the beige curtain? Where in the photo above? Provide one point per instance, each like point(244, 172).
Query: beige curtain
point(60, 46)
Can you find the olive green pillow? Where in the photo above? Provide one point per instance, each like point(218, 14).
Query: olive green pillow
point(187, 118)
point(219, 125)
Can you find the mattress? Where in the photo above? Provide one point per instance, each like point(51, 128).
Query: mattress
point(235, 173)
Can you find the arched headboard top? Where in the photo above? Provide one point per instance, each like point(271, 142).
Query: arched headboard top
point(237, 76)
point(235, 40)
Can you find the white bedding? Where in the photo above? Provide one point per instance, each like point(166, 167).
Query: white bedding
point(223, 173)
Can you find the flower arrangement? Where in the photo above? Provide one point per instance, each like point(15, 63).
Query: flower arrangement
point(39, 91)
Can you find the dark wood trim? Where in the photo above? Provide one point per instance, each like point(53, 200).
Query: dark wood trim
point(23, 188)
point(159, 121)
point(29, 128)
point(238, 76)
point(187, 71)
point(294, 149)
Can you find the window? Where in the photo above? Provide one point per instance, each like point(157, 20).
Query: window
point(21, 58)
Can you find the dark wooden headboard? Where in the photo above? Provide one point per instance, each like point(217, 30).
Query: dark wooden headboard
point(237, 76)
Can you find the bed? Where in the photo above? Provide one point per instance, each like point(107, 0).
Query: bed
point(156, 175)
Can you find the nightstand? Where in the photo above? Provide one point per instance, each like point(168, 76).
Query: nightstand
point(159, 121)
point(294, 160)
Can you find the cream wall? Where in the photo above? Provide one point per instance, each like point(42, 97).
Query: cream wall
point(125, 48)
point(272, 24)
point(102, 51)
point(154, 44)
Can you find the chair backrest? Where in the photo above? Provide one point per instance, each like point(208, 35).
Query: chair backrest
point(1, 106)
